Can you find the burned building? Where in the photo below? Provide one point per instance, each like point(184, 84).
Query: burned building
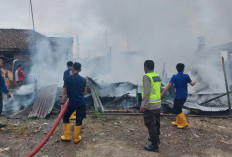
point(215, 53)
point(22, 43)
point(64, 44)
point(18, 43)
point(18, 46)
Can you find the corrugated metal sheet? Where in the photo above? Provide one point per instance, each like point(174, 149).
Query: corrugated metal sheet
point(44, 102)
point(23, 113)
point(42, 105)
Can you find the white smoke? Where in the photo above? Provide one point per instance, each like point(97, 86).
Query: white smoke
point(48, 64)
point(162, 30)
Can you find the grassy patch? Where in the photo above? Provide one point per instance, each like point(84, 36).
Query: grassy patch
point(22, 130)
point(98, 115)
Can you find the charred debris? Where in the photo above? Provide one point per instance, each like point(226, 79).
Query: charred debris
point(121, 97)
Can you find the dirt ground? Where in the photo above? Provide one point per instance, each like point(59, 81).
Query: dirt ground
point(118, 136)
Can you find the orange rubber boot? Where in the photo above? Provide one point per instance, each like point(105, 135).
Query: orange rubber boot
point(67, 132)
point(183, 122)
point(73, 116)
point(77, 131)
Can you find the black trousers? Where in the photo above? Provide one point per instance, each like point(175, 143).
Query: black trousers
point(19, 83)
point(178, 105)
point(80, 113)
point(152, 122)
point(1, 103)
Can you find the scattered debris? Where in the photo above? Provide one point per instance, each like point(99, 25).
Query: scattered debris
point(4, 149)
point(2, 125)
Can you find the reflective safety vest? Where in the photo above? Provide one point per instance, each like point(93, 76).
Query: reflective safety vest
point(155, 87)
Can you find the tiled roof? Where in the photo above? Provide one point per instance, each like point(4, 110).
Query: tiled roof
point(19, 38)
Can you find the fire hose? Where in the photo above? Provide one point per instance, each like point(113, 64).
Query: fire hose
point(50, 131)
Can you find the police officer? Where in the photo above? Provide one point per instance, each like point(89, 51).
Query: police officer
point(3, 88)
point(151, 104)
point(74, 88)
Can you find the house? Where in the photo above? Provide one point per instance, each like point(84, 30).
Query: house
point(18, 46)
point(21, 44)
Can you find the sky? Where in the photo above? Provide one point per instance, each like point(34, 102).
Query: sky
point(164, 21)
point(162, 30)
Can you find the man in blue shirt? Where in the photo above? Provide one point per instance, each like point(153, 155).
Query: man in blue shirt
point(3, 88)
point(181, 82)
point(67, 73)
point(69, 70)
point(75, 88)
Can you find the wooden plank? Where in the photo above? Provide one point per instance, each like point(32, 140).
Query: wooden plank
point(97, 102)
point(226, 83)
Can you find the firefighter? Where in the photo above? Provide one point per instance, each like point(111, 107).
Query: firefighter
point(67, 72)
point(75, 88)
point(151, 103)
point(181, 81)
point(3, 88)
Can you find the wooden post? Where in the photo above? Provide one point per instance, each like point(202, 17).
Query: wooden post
point(226, 83)
point(136, 92)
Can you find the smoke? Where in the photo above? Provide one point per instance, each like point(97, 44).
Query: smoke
point(49, 62)
point(20, 99)
point(162, 30)
point(166, 32)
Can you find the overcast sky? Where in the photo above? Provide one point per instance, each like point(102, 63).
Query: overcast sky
point(147, 25)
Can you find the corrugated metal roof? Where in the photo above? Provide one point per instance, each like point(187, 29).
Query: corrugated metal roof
point(42, 105)
point(44, 102)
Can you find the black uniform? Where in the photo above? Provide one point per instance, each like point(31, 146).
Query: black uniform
point(75, 85)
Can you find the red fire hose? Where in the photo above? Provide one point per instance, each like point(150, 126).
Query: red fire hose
point(50, 132)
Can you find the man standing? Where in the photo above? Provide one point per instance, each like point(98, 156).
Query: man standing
point(3, 88)
point(16, 75)
point(74, 88)
point(21, 75)
point(69, 70)
point(180, 81)
point(67, 73)
point(151, 104)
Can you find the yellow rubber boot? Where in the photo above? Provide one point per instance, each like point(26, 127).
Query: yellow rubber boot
point(182, 120)
point(67, 132)
point(73, 116)
point(177, 121)
point(77, 131)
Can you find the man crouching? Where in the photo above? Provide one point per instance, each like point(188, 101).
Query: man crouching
point(151, 104)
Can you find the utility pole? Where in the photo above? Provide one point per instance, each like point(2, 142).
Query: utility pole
point(70, 25)
point(106, 42)
point(32, 16)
